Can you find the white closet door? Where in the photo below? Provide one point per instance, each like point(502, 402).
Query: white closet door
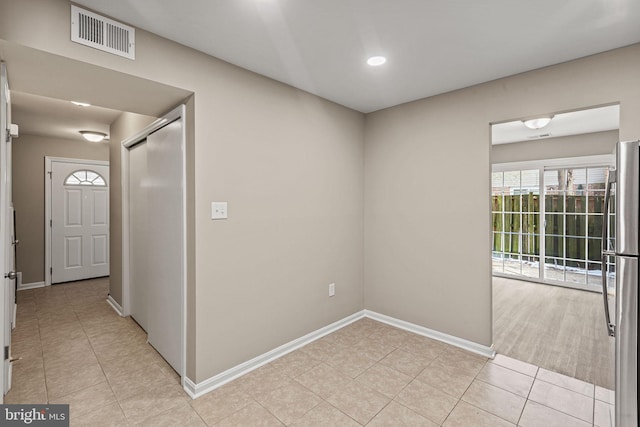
point(164, 163)
point(138, 263)
point(156, 252)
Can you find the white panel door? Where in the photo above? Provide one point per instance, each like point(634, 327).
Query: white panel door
point(79, 221)
point(7, 293)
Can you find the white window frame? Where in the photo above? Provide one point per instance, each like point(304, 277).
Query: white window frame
point(542, 165)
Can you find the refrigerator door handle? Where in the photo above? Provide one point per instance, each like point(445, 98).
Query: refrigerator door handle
point(606, 253)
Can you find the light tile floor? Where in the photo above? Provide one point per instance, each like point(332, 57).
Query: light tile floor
point(75, 349)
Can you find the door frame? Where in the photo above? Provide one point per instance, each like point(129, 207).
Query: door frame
point(47, 205)
point(178, 113)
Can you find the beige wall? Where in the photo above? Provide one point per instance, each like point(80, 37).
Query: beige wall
point(291, 167)
point(427, 180)
point(28, 153)
point(590, 144)
point(126, 125)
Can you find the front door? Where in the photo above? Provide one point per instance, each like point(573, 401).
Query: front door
point(7, 267)
point(79, 220)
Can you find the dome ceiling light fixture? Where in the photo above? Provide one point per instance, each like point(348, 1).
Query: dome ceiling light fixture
point(93, 136)
point(376, 61)
point(81, 104)
point(537, 123)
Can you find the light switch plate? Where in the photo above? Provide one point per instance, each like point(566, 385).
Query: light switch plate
point(218, 210)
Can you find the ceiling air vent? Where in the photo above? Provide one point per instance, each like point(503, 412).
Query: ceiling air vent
point(91, 29)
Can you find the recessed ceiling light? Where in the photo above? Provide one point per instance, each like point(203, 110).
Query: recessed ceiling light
point(93, 136)
point(538, 123)
point(375, 61)
point(81, 104)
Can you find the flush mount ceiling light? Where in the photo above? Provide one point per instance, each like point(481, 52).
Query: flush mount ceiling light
point(538, 123)
point(81, 104)
point(375, 61)
point(93, 136)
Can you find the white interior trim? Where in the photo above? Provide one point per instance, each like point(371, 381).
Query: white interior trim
point(196, 390)
point(34, 285)
point(575, 162)
point(471, 346)
point(177, 113)
point(114, 304)
point(47, 205)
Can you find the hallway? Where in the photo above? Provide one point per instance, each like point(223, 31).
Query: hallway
point(74, 348)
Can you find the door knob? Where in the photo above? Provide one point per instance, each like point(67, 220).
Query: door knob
point(12, 275)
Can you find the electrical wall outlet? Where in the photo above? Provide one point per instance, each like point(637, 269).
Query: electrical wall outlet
point(332, 289)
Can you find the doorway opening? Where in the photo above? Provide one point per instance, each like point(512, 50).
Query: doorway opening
point(548, 187)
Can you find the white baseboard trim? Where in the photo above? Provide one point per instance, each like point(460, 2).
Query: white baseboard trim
point(114, 304)
point(196, 390)
point(471, 346)
point(34, 285)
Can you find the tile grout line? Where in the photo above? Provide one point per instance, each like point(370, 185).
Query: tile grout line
point(84, 331)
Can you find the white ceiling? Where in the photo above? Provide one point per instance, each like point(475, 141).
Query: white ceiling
point(39, 115)
point(432, 46)
point(571, 123)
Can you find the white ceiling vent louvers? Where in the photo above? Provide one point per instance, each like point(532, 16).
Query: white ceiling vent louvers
point(102, 33)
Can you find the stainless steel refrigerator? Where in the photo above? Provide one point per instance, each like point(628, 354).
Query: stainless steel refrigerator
point(624, 324)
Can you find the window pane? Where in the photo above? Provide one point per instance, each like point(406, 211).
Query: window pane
point(497, 242)
point(554, 201)
point(511, 181)
point(497, 262)
point(530, 223)
point(512, 203)
point(512, 264)
point(512, 242)
point(596, 202)
point(531, 266)
point(594, 225)
point(575, 181)
point(576, 271)
point(575, 225)
point(530, 244)
point(85, 177)
point(496, 219)
point(512, 222)
point(594, 249)
point(554, 246)
point(530, 202)
point(496, 182)
point(576, 203)
point(554, 269)
point(575, 248)
point(551, 180)
point(554, 224)
point(594, 275)
point(496, 203)
point(530, 181)
point(596, 178)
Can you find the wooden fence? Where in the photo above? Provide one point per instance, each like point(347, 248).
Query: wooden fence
point(518, 218)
